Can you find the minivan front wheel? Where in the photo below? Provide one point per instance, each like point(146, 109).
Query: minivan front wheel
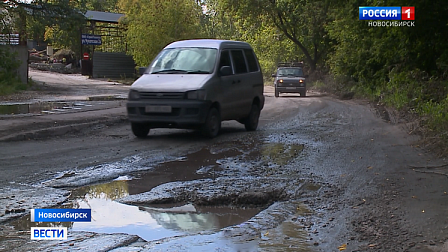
point(251, 121)
point(212, 124)
point(140, 130)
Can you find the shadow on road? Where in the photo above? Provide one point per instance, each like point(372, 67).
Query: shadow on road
point(301, 97)
point(189, 135)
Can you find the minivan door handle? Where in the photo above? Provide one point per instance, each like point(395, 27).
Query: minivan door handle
point(237, 81)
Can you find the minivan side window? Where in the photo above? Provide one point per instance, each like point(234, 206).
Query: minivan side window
point(239, 61)
point(251, 61)
point(224, 60)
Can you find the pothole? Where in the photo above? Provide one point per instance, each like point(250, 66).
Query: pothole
point(214, 202)
point(151, 222)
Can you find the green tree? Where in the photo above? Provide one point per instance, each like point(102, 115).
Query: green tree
point(270, 45)
point(102, 5)
point(152, 24)
point(301, 21)
point(217, 23)
point(34, 18)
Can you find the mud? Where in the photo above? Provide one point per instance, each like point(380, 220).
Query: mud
point(330, 176)
point(16, 200)
point(221, 191)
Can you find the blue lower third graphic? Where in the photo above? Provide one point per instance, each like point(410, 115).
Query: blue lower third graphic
point(61, 215)
point(48, 233)
point(379, 13)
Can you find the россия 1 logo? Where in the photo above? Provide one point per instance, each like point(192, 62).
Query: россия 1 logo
point(405, 14)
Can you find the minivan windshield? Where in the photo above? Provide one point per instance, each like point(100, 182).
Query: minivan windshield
point(184, 61)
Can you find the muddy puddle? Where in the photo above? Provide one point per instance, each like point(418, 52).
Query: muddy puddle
point(280, 153)
point(198, 165)
point(152, 222)
point(148, 222)
point(289, 236)
point(40, 107)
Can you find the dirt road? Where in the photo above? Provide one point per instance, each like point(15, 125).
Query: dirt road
point(320, 174)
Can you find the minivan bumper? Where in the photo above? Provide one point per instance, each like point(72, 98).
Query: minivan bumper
point(290, 89)
point(184, 113)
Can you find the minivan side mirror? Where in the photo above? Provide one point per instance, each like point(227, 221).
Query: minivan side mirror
point(273, 75)
point(141, 70)
point(225, 71)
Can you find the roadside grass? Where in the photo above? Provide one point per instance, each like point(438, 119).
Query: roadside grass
point(418, 99)
point(10, 85)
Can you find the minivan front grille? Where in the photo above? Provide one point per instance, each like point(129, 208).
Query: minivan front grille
point(161, 95)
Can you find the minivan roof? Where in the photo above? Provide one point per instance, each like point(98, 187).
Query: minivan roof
point(209, 43)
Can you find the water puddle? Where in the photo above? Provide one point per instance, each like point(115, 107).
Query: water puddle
point(197, 165)
point(148, 222)
point(152, 222)
point(289, 236)
point(281, 153)
point(40, 107)
point(312, 187)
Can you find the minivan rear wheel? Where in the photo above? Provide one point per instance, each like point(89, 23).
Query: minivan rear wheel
point(212, 124)
point(251, 121)
point(140, 130)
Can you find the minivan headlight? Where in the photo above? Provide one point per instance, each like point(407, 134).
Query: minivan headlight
point(196, 95)
point(133, 95)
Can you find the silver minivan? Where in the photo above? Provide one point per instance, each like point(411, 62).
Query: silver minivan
point(197, 84)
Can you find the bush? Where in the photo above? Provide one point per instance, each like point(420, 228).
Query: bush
point(9, 79)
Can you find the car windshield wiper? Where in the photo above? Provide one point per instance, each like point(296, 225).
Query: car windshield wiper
point(198, 72)
point(168, 71)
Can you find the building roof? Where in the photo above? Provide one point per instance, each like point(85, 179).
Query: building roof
point(107, 17)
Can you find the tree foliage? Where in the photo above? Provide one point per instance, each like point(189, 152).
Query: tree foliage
point(301, 21)
point(102, 5)
point(152, 24)
point(56, 21)
point(222, 21)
